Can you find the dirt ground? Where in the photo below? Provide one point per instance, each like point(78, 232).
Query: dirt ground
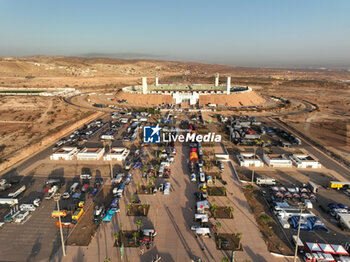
point(25, 120)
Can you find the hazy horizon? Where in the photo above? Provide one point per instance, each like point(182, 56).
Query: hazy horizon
point(250, 33)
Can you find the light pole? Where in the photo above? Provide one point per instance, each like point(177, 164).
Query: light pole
point(253, 165)
point(57, 198)
point(301, 206)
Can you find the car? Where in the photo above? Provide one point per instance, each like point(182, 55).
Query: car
point(128, 179)
point(37, 202)
point(85, 177)
point(223, 182)
point(161, 187)
point(154, 191)
point(84, 188)
point(194, 227)
point(193, 178)
point(66, 195)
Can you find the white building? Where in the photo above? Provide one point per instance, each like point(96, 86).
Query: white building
point(277, 160)
point(90, 153)
point(248, 159)
point(181, 97)
point(302, 160)
point(117, 153)
point(64, 153)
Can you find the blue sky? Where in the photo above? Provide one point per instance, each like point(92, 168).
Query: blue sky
point(246, 32)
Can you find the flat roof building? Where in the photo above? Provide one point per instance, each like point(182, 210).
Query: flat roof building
point(302, 160)
point(64, 153)
point(248, 159)
point(90, 153)
point(277, 160)
point(117, 153)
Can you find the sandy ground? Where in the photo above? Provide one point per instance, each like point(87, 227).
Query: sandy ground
point(24, 120)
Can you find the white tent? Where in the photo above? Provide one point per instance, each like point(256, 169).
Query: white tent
point(340, 250)
point(313, 247)
point(327, 248)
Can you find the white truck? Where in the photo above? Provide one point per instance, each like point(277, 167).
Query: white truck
point(267, 181)
point(18, 192)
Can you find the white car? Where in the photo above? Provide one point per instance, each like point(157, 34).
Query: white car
point(37, 202)
point(194, 227)
point(27, 207)
point(193, 178)
point(66, 195)
point(85, 176)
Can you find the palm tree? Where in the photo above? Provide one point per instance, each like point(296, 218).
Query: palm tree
point(152, 179)
point(218, 225)
point(225, 259)
point(107, 259)
point(144, 207)
point(231, 209)
point(213, 209)
point(129, 208)
point(139, 224)
point(116, 238)
point(224, 190)
point(239, 237)
point(135, 234)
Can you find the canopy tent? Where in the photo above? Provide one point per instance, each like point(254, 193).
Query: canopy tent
point(327, 248)
point(313, 247)
point(340, 250)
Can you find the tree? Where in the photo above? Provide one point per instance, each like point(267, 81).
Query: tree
point(218, 225)
point(239, 237)
point(219, 243)
point(144, 207)
point(129, 208)
point(224, 191)
point(135, 234)
point(152, 179)
point(225, 259)
point(121, 225)
point(139, 224)
point(116, 238)
point(213, 209)
point(231, 209)
point(107, 259)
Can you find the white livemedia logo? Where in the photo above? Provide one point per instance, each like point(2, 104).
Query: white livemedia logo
point(210, 137)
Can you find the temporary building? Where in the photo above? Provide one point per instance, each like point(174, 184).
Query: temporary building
point(327, 248)
point(340, 250)
point(313, 247)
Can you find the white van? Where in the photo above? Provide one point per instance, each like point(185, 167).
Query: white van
point(73, 188)
point(202, 177)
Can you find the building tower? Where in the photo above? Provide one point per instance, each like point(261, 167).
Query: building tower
point(144, 85)
point(157, 84)
point(228, 85)
point(217, 79)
